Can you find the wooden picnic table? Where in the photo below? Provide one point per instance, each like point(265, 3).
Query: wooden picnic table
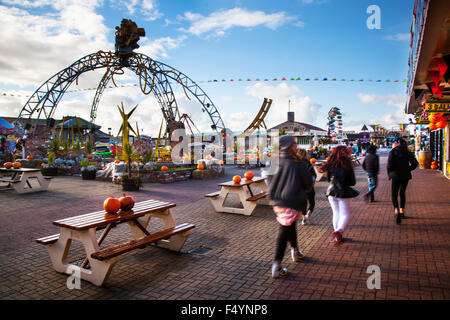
point(23, 180)
point(245, 193)
point(83, 228)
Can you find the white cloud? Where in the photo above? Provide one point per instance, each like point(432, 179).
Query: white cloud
point(305, 109)
point(398, 37)
point(217, 23)
point(391, 119)
point(159, 47)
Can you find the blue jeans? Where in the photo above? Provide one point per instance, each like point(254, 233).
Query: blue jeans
point(372, 179)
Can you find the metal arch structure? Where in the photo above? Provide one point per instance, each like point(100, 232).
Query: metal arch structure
point(154, 75)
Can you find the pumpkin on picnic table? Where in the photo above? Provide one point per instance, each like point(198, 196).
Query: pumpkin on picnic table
point(117, 161)
point(111, 205)
point(249, 175)
point(8, 165)
point(237, 179)
point(164, 168)
point(126, 202)
point(160, 159)
point(313, 160)
point(16, 165)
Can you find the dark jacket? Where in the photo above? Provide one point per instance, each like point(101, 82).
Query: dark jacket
point(400, 164)
point(371, 163)
point(340, 182)
point(289, 185)
point(311, 170)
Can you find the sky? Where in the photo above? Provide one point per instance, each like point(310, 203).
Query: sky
point(213, 40)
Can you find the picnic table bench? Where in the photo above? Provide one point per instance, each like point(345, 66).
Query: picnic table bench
point(22, 180)
point(98, 263)
point(245, 194)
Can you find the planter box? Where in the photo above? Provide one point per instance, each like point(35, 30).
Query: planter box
point(88, 175)
point(130, 185)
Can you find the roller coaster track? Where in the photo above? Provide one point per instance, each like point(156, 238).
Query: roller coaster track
point(258, 122)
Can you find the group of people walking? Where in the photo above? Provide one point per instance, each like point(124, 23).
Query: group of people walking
point(292, 189)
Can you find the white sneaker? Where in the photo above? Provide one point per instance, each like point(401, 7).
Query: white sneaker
point(296, 255)
point(305, 218)
point(278, 271)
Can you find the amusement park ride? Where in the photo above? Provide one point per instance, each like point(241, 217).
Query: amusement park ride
point(258, 122)
point(154, 77)
point(335, 124)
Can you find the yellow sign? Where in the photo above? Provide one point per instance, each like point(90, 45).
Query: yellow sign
point(441, 107)
point(422, 120)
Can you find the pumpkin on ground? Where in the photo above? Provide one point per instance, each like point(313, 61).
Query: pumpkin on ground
point(201, 166)
point(16, 165)
point(164, 168)
point(8, 165)
point(237, 179)
point(111, 205)
point(30, 157)
point(249, 175)
point(126, 202)
point(433, 167)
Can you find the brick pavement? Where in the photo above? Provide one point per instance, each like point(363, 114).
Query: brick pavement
point(413, 257)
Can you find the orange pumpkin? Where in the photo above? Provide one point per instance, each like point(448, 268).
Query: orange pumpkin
point(117, 161)
point(16, 165)
point(8, 165)
point(30, 157)
point(201, 166)
point(160, 159)
point(328, 158)
point(164, 168)
point(126, 202)
point(433, 167)
point(235, 158)
point(89, 156)
point(220, 162)
point(237, 179)
point(111, 205)
point(42, 164)
point(249, 175)
point(313, 160)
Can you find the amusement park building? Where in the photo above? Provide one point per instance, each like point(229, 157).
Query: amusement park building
point(303, 132)
point(428, 87)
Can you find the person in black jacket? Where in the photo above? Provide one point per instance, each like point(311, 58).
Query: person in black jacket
point(400, 164)
point(287, 190)
point(341, 176)
point(310, 194)
point(371, 165)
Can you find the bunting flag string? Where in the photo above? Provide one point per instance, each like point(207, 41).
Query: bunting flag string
point(6, 94)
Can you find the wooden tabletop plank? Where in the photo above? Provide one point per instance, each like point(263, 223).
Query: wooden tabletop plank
point(243, 182)
point(20, 170)
point(101, 218)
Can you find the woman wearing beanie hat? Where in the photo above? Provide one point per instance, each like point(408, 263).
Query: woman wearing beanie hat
point(288, 192)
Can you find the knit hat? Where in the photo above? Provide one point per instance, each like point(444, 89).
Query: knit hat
point(286, 141)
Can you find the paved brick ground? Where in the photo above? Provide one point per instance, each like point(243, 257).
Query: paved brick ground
point(414, 258)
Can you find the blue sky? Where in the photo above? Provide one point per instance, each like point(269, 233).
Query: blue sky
point(218, 39)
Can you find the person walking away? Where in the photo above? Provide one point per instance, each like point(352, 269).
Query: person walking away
point(401, 162)
point(341, 177)
point(310, 194)
point(287, 190)
point(371, 165)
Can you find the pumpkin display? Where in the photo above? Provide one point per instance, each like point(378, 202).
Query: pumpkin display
point(237, 179)
point(201, 166)
point(30, 157)
point(117, 161)
point(313, 160)
point(42, 164)
point(8, 165)
point(433, 167)
point(160, 159)
point(111, 205)
point(126, 202)
point(164, 168)
point(249, 175)
point(16, 165)
point(89, 156)
point(328, 158)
